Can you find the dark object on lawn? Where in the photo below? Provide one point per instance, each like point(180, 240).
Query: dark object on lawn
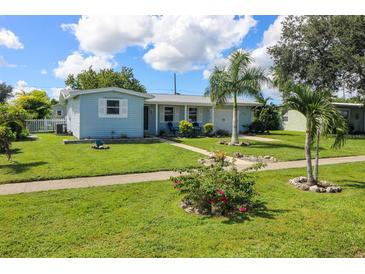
point(197, 128)
point(172, 129)
point(99, 144)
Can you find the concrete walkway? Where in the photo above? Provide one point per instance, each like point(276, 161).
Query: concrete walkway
point(259, 139)
point(241, 164)
point(144, 177)
point(83, 182)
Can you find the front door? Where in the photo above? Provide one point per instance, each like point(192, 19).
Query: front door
point(145, 117)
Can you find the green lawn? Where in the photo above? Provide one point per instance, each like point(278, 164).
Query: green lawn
point(49, 158)
point(144, 220)
point(290, 147)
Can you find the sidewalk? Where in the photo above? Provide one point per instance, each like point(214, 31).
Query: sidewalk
point(144, 177)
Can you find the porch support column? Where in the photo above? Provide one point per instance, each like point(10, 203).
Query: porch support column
point(156, 119)
point(186, 113)
point(213, 115)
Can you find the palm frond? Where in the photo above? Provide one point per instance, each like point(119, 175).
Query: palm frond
point(219, 88)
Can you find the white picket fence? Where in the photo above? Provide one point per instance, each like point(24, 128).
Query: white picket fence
point(43, 125)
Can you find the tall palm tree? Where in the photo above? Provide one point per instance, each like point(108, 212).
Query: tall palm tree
point(321, 118)
point(238, 78)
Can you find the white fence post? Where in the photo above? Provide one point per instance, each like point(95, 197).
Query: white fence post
point(43, 125)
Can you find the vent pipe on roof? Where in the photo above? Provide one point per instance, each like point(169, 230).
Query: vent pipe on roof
point(175, 84)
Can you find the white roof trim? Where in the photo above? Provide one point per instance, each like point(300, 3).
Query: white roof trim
point(74, 93)
point(348, 104)
point(177, 103)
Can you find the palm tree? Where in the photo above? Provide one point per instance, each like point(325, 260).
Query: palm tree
point(238, 78)
point(322, 118)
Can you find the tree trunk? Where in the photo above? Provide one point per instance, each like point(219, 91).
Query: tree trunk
point(317, 156)
point(308, 152)
point(234, 138)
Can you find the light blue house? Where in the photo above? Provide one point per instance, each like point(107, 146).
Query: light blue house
point(116, 112)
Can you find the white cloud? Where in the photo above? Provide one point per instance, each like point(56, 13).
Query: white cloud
point(54, 93)
point(111, 34)
point(3, 63)
point(76, 62)
point(183, 43)
point(21, 86)
point(270, 37)
point(9, 39)
point(174, 43)
point(219, 62)
point(44, 72)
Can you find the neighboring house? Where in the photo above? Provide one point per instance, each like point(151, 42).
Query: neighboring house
point(58, 111)
point(116, 112)
point(353, 112)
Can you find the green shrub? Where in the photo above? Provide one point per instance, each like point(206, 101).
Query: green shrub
point(185, 128)
point(266, 118)
point(6, 137)
point(208, 129)
point(214, 190)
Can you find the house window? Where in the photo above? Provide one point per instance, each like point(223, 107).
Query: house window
point(59, 112)
point(112, 107)
point(169, 114)
point(193, 114)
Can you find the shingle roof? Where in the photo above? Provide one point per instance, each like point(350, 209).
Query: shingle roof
point(181, 99)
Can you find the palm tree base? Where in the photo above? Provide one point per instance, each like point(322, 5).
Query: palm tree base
point(319, 186)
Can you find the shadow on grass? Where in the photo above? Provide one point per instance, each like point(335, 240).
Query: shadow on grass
point(16, 167)
point(353, 183)
point(259, 209)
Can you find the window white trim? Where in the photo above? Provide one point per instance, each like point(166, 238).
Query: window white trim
point(102, 108)
point(175, 114)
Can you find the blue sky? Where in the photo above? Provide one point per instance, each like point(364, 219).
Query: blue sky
point(38, 51)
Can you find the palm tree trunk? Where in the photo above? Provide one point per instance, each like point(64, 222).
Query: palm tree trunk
point(317, 156)
point(234, 138)
point(308, 152)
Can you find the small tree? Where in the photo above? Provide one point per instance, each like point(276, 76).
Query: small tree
point(321, 118)
point(36, 103)
point(91, 79)
point(239, 78)
point(6, 92)
point(6, 137)
point(266, 116)
point(9, 116)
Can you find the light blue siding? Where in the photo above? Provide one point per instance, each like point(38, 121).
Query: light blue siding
point(245, 117)
point(91, 126)
point(73, 116)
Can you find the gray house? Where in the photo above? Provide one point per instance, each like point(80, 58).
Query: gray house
point(116, 112)
point(353, 112)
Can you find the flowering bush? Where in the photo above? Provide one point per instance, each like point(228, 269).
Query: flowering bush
point(214, 190)
point(208, 129)
point(185, 128)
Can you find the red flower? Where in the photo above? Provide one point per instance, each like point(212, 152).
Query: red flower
point(224, 200)
point(177, 182)
point(219, 191)
point(243, 209)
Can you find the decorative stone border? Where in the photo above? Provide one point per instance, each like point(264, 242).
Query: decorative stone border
point(227, 143)
point(251, 158)
point(320, 187)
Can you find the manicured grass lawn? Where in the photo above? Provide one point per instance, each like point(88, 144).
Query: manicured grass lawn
point(290, 147)
point(49, 158)
point(144, 220)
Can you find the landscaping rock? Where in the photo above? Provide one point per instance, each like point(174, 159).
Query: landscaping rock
point(237, 155)
point(320, 187)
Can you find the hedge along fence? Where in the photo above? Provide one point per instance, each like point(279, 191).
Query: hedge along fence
point(43, 125)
